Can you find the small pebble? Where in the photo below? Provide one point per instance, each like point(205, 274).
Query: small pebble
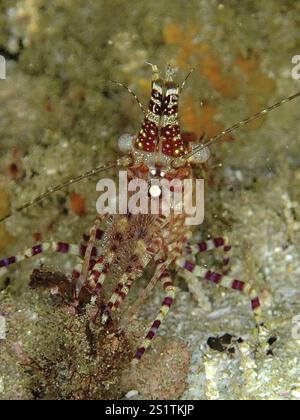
point(131, 394)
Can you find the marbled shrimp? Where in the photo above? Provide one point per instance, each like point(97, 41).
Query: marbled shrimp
point(120, 247)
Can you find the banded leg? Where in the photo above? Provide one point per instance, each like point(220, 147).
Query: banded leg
point(161, 266)
point(83, 248)
point(90, 252)
point(229, 283)
point(57, 247)
point(174, 250)
point(210, 245)
point(164, 309)
point(85, 240)
point(118, 296)
point(131, 274)
point(97, 277)
point(77, 272)
point(86, 237)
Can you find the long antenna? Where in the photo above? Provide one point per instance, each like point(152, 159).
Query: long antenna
point(234, 127)
point(121, 162)
point(128, 90)
point(185, 80)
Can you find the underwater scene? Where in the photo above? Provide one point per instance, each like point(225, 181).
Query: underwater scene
point(149, 200)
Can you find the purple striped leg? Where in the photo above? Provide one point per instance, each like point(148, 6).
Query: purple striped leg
point(90, 251)
point(98, 274)
point(77, 272)
point(161, 266)
point(131, 274)
point(229, 283)
point(164, 309)
point(118, 296)
point(95, 254)
point(59, 247)
point(85, 241)
point(210, 245)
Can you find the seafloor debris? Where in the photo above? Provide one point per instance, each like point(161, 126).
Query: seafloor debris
point(77, 358)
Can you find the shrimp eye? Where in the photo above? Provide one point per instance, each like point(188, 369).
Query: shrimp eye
point(125, 142)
